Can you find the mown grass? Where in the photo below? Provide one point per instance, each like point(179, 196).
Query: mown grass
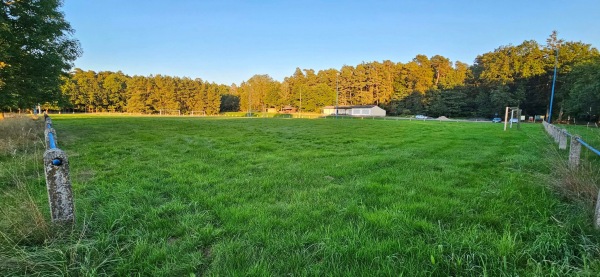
point(211, 196)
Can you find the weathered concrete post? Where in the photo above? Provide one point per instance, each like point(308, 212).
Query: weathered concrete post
point(58, 184)
point(555, 134)
point(574, 152)
point(48, 120)
point(597, 213)
point(562, 139)
point(58, 181)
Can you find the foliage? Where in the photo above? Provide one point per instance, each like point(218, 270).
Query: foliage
point(584, 91)
point(510, 75)
point(116, 92)
point(36, 49)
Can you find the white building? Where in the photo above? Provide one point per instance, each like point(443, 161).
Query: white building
point(359, 110)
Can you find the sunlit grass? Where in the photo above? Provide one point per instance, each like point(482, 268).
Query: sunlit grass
point(213, 196)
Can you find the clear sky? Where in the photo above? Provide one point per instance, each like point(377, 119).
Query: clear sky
point(227, 41)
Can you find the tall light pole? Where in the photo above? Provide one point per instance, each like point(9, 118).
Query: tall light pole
point(553, 83)
point(249, 101)
point(336, 94)
point(300, 111)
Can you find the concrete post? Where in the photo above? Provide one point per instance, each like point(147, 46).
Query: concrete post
point(597, 213)
point(48, 120)
point(574, 152)
point(58, 184)
point(562, 139)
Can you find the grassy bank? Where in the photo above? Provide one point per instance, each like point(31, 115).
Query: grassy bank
point(214, 196)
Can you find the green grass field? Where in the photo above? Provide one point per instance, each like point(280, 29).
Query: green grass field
point(228, 197)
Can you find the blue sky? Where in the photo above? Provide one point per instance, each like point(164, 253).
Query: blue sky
point(230, 41)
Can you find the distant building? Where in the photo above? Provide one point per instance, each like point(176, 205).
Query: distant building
point(359, 110)
point(288, 109)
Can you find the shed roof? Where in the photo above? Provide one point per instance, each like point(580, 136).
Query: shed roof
point(351, 107)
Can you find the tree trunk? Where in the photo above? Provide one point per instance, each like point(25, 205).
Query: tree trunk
point(560, 115)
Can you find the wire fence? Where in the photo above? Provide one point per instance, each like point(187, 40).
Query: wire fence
point(561, 136)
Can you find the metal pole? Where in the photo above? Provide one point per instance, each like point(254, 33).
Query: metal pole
point(553, 83)
point(249, 102)
point(336, 94)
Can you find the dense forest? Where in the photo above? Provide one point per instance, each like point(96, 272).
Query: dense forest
point(512, 75)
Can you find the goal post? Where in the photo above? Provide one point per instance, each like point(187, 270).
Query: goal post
point(169, 112)
point(198, 113)
point(515, 112)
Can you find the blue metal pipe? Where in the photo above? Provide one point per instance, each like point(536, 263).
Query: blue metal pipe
point(589, 147)
point(51, 140)
point(553, 83)
point(596, 151)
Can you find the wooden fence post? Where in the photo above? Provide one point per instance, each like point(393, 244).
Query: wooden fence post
point(574, 152)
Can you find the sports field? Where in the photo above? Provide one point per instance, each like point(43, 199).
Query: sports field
point(173, 196)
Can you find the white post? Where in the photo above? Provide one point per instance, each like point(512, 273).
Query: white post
point(512, 115)
point(505, 118)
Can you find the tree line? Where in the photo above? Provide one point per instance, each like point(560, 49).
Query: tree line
point(107, 91)
point(513, 75)
point(33, 64)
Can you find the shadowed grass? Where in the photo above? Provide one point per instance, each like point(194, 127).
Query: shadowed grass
point(212, 196)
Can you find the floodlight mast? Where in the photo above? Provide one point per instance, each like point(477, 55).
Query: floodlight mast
point(336, 94)
point(249, 102)
point(300, 111)
point(553, 83)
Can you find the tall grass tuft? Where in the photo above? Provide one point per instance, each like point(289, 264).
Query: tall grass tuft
point(580, 184)
point(21, 151)
point(22, 223)
point(29, 243)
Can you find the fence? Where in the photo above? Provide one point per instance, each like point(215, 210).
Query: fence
point(560, 136)
point(58, 181)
